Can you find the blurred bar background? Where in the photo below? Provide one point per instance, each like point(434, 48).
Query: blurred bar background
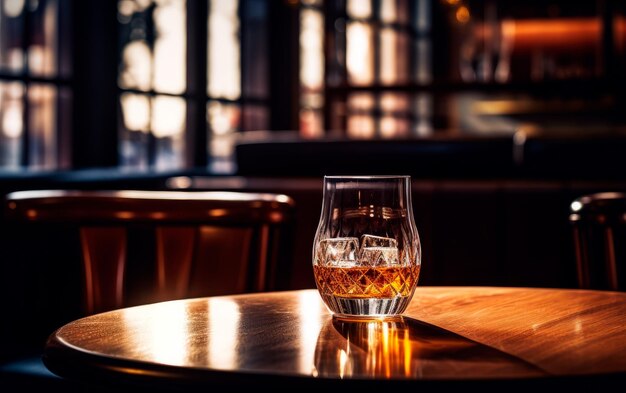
point(166, 85)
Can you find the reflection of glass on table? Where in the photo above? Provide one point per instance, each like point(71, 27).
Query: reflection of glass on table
point(403, 347)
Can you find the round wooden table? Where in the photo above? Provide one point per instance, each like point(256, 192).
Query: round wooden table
point(487, 336)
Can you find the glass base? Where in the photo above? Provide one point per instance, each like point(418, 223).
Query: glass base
point(366, 307)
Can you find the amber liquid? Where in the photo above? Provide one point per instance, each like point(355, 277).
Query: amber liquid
point(366, 291)
point(379, 282)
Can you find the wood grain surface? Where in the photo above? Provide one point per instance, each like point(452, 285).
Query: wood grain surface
point(448, 335)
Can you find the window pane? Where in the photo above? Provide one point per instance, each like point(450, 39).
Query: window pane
point(168, 116)
point(313, 100)
point(396, 111)
point(135, 112)
point(311, 49)
point(152, 132)
point(311, 123)
point(388, 11)
point(137, 38)
point(394, 11)
point(42, 137)
point(12, 124)
point(394, 57)
point(360, 123)
point(134, 131)
point(133, 149)
point(223, 121)
point(359, 53)
point(361, 126)
point(311, 72)
point(170, 46)
point(168, 124)
point(42, 58)
point(359, 8)
point(361, 102)
point(11, 27)
point(311, 119)
point(393, 127)
point(394, 103)
point(136, 66)
point(223, 118)
point(224, 60)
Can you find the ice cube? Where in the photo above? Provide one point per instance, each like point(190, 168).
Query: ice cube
point(335, 250)
point(377, 241)
point(379, 256)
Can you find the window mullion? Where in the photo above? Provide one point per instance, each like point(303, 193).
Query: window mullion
point(196, 152)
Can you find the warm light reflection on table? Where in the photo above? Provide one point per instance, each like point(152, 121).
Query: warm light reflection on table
point(223, 321)
point(162, 332)
point(310, 325)
point(447, 333)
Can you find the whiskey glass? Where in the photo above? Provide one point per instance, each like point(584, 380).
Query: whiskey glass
point(366, 251)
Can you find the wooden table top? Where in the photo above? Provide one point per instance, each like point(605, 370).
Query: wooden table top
point(447, 334)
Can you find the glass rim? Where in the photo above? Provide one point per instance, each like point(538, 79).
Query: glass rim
point(366, 177)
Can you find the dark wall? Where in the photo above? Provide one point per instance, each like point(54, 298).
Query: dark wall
point(473, 232)
point(522, 156)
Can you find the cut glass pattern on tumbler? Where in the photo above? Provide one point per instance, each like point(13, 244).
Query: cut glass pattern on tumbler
point(379, 256)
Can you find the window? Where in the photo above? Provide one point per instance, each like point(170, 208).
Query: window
point(35, 84)
point(152, 82)
point(311, 69)
point(378, 51)
point(169, 49)
point(182, 79)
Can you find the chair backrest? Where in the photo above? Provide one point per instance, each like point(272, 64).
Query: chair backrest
point(599, 228)
point(144, 246)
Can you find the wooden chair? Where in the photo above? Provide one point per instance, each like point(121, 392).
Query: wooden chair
point(146, 246)
point(128, 248)
point(599, 228)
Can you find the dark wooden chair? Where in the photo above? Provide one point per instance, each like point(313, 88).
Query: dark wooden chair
point(187, 244)
point(599, 228)
point(83, 252)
